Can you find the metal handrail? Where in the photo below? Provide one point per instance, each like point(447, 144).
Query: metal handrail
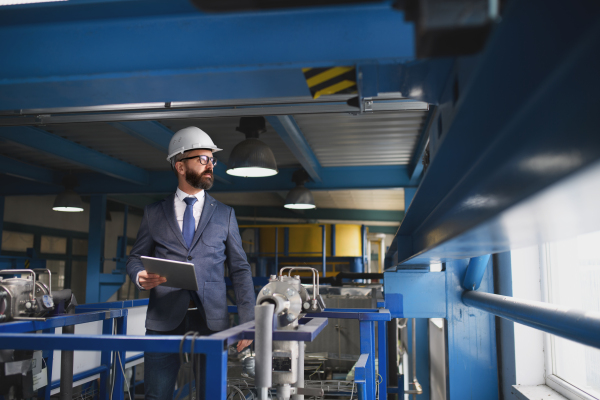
point(576, 325)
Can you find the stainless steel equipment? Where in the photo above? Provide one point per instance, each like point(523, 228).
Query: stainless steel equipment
point(24, 297)
point(283, 300)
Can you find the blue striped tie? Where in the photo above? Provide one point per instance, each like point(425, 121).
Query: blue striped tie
point(189, 223)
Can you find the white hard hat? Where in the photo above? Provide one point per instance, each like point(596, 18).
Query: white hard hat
point(190, 138)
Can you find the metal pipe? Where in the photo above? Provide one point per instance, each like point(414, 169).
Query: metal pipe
point(300, 382)
point(576, 325)
point(263, 347)
point(66, 368)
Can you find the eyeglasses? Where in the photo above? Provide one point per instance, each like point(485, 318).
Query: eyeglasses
point(203, 159)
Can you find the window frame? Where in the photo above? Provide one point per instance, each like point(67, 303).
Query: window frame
point(553, 381)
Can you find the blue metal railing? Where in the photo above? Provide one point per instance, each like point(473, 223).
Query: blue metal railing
point(576, 325)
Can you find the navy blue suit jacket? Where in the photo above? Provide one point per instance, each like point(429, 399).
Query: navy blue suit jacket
point(217, 242)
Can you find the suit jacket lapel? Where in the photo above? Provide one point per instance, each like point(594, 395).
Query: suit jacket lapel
point(169, 209)
point(207, 212)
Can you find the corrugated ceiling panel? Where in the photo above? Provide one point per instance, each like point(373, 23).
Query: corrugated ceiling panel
point(366, 139)
point(361, 199)
point(346, 199)
point(223, 133)
point(111, 141)
point(37, 158)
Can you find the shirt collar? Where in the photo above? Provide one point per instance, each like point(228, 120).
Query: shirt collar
point(182, 195)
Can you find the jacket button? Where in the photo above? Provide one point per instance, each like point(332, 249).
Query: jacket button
point(190, 258)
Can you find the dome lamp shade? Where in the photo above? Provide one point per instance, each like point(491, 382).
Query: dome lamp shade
point(68, 200)
point(300, 198)
point(252, 157)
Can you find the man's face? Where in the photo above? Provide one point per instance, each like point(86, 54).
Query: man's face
point(198, 175)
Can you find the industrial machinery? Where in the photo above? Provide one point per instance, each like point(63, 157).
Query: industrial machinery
point(26, 298)
point(280, 304)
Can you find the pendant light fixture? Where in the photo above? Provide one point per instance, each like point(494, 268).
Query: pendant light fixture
point(252, 157)
point(68, 200)
point(300, 198)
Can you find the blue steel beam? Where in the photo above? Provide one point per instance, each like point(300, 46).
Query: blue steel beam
point(292, 136)
point(475, 271)
point(95, 264)
point(333, 178)
point(174, 61)
point(77, 154)
point(522, 140)
point(157, 135)
point(415, 166)
point(30, 172)
point(151, 132)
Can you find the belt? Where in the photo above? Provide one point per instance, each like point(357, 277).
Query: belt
point(192, 305)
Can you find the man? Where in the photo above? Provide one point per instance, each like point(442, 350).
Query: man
point(189, 226)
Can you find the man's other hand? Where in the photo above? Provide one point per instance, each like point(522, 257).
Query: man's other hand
point(242, 344)
point(149, 280)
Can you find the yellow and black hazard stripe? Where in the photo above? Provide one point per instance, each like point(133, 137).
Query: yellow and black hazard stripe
point(336, 80)
point(27, 264)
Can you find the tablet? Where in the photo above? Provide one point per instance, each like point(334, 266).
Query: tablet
point(179, 275)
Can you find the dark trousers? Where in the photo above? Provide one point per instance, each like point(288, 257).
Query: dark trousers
point(160, 369)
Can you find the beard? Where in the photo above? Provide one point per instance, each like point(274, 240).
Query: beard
point(200, 181)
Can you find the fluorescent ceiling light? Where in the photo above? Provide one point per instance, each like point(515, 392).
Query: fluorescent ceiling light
point(252, 172)
point(68, 209)
point(300, 206)
point(16, 2)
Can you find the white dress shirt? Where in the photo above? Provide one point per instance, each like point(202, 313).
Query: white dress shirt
point(180, 207)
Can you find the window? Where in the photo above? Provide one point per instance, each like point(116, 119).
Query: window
point(53, 245)
point(57, 268)
point(16, 241)
point(572, 272)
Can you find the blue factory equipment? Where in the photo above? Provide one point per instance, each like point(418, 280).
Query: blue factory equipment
point(287, 330)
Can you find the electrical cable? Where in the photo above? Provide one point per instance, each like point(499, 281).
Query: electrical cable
point(239, 391)
point(182, 363)
point(317, 370)
point(124, 376)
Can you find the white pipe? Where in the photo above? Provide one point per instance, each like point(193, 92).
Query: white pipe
point(263, 339)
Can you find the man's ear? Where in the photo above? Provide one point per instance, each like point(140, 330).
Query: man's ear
point(180, 168)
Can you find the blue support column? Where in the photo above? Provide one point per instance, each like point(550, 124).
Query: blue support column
point(475, 271)
point(45, 392)
point(286, 241)
point(332, 240)
point(505, 329)
point(422, 355)
point(363, 231)
point(216, 375)
point(119, 378)
point(105, 359)
point(95, 248)
point(472, 359)
point(382, 352)
point(324, 251)
point(1, 218)
point(367, 346)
